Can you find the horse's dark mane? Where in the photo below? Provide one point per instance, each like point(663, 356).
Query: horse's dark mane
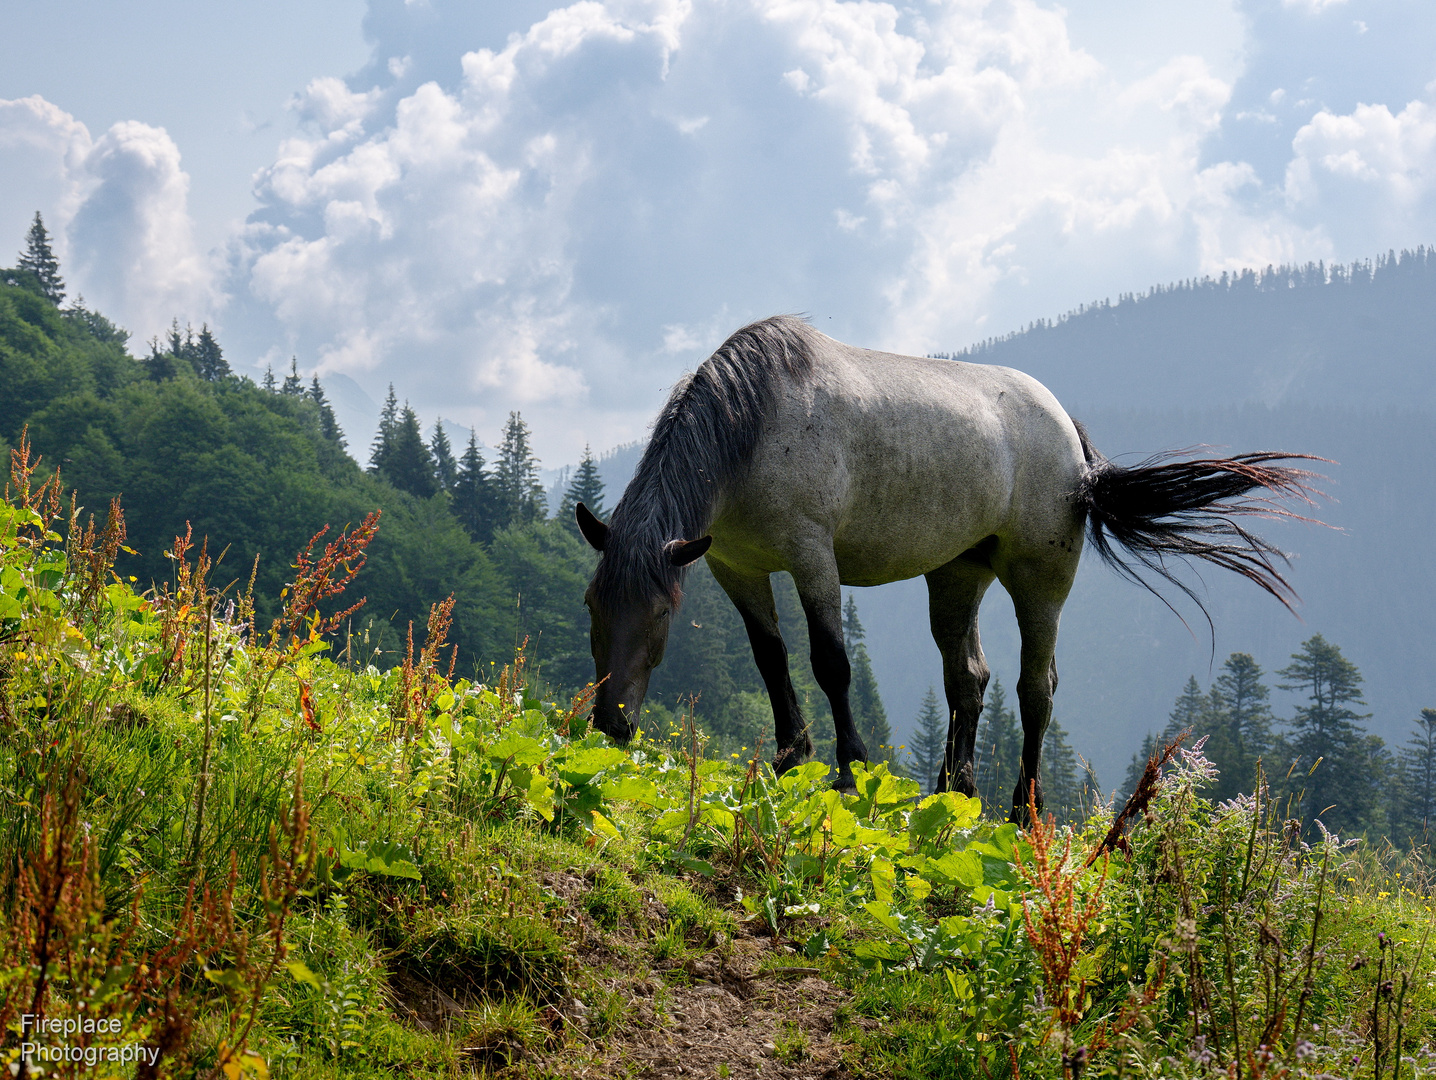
point(703, 438)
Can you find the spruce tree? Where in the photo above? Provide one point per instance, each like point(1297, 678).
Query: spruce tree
point(852, 627)
point(328, 425)
point(929, 742)
point(863, 697)
point(473, 497)
point(1415, 813)
point(516, 476)
point(208, 358)
point(999, 751)
point(1192, 712)
point(1061, 776)
point(383, 446)
point(38, 259)
point(408, 465)
point(586, 488)
point(269, 383)
point(1241, 732)
point(1335, 765)
point(446, 469)
point(293, 384)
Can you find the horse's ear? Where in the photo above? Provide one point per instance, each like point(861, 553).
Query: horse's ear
point(594, 531)
point(683, 552)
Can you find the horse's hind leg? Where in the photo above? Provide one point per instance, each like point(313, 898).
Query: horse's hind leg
point(752, 595)
point(1038, 589)
point(954, 593)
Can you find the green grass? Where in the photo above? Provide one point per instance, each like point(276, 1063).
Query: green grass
point(388, 873)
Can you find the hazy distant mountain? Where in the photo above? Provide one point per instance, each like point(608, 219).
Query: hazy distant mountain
point(1353, 336)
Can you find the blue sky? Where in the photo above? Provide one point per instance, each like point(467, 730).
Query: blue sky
point(559, 208)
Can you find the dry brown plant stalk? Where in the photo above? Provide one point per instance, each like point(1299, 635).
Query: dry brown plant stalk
point(1062, 918)
point(39, 505)
point(71, 954)
point(91, 554)
point(1141, 797)
point(419, 680)
point(320, 578)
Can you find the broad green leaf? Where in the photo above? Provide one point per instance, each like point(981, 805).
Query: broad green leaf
point(963, 868)
point(883, 913)
point(523, 750)
point(603, 827)
point(581, 766)
point(884, 879)
point(637, 789)
point(301, 973)
point(690, 862)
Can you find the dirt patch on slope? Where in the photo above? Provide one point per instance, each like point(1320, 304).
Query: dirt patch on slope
point(726, 1015)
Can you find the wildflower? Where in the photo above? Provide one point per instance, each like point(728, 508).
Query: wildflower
point(1304, 1050)
point(1199, 1052)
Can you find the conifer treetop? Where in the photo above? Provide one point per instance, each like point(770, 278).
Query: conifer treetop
point(39, 259)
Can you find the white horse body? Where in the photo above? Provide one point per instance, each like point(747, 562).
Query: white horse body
point(794, 452)
point(899, 465)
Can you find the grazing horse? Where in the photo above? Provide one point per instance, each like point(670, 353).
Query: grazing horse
point(787, 450)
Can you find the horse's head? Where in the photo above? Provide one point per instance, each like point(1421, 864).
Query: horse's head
point(630, 621)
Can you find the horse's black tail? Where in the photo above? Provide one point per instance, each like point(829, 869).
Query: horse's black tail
point(1174, 504)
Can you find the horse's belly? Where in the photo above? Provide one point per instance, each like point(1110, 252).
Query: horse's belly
point(884, 547)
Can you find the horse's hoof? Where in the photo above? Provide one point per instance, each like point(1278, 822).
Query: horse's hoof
point(845, 785)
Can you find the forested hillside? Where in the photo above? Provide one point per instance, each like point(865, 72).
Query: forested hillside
point(1353, 336)
point(258, 470)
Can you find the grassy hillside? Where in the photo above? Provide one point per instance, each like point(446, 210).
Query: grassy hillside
point(228, 848)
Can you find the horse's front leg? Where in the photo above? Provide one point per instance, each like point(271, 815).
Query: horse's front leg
point(752, 595)
point(821, 593)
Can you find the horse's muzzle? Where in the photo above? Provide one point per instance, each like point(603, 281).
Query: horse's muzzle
point(613, 723)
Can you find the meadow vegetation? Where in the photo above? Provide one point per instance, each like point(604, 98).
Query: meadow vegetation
point(261, 853)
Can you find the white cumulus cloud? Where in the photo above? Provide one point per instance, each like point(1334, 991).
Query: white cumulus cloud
point(118, 207)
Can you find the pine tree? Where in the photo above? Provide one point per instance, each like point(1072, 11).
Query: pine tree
point(1336, 766)
point(38, 259)
point(1191, 712)
point(293, 384)
point(408, 465)
point(1415, 814)
point(863, 697)
point(473, 495)
point(383, 446)
point(181, 344)
point(446, 469)
point(999, 751)
point(208, 358)
point(1061, 776)
point(852, 627)
point(929, 742)
point(1241, 732)
point(269, 383)
point(328, 425)
point(516, 476)
point(586, 488)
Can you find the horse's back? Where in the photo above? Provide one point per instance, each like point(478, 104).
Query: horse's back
point(905, 462)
